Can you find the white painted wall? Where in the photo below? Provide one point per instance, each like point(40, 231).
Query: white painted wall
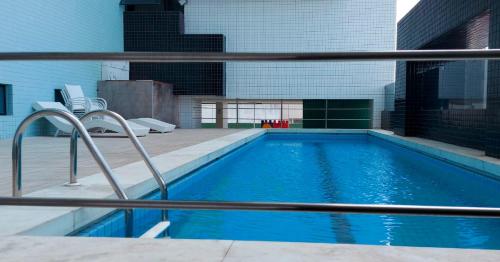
point(53, 26)
point(301, 26)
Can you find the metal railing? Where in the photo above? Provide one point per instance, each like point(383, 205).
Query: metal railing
point(480, 212)
point(137, 144)
point(189, 57)
point(17, 185)
point(406, 55)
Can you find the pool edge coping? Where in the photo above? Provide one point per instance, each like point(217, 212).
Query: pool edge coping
point(467, 158)
point(48, 249)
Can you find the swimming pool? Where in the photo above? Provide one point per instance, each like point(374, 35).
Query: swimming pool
point(328, 168)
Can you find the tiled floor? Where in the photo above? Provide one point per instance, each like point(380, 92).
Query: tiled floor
point(103, 249)
point(46, 159)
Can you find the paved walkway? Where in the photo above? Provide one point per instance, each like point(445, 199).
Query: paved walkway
point(46, 159)
point(105, 249)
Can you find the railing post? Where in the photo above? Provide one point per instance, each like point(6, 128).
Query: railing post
point(129, 222)
point(73, 164)
point(17, 186)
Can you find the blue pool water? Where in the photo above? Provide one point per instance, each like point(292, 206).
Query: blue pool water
point(327, 168)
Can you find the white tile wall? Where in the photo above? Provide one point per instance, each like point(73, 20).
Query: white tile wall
point(301, 26)
point(57, 26)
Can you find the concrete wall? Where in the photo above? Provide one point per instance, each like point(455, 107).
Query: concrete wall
point(138, 99)
point(53, 25)
point(301, 26)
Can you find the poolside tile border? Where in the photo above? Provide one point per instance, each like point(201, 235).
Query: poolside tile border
point(471, 159)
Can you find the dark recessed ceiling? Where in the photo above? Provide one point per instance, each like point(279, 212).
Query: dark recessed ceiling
point(140, 2)
point(474, 34)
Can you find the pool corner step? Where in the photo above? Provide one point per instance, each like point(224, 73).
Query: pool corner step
point(156, 231)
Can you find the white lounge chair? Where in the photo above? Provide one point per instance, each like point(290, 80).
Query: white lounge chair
point(79, 104)
point(153, 124)
point(104, 123)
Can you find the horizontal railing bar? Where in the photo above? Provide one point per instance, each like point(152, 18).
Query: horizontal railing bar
point(257, 206)
point(407, 55)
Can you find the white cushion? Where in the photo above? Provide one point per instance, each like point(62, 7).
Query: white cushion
point(74, 91)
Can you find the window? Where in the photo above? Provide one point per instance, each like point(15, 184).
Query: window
point(347, 113)
point(3, 99)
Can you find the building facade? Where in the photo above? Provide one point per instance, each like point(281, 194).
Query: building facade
point(302, 26)
point(333, 95)
point(269, 26)
point(59, 26)
point(450, 101)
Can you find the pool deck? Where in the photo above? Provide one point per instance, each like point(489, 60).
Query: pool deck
point(106, 249)
point(175, 154)
point(46, 159)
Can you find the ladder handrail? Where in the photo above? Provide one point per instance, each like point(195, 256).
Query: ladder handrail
point(94, 151)
point(137, 144)
point(78, 127)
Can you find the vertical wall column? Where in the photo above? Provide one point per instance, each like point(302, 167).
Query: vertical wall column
point(189, 112)
point(398, 117)
point(492, 141)
point(221, 115)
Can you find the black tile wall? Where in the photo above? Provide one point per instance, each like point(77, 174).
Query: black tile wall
point(189, 78)
point(386, 120)
point(175, 43)
point(143, 24)
point(447, 24)
point(164, 32)
point(493, 104)
point(431, 19)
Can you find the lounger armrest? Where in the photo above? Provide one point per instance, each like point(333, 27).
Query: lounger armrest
point(96, 104)
point(76, 103)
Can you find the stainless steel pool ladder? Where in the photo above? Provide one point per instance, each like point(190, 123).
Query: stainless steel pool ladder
point(137, 144)
point(94, 151)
